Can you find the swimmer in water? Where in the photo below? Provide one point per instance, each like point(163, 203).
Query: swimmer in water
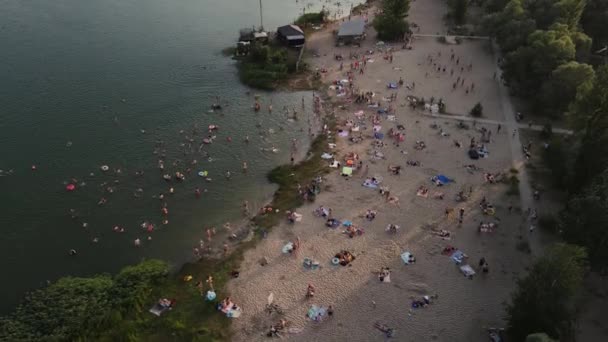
point(245, 167)
point(228, 174)
point(247, 139)
point(197, 193)
point(137, 242)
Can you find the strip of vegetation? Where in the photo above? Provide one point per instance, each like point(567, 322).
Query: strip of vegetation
point(550, 49)
point(315, 18)
point(265, 66)
point(106, 308)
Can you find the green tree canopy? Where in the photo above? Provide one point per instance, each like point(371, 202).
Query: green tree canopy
point(585, 220)
point(589, 116)
point(541, 301)
point(79, 308)
point(594, 20)
point(62, 312)
point(561, 87)
point(529, 66)
point(391, 24)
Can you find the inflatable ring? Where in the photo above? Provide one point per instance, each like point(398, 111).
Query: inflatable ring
point(335, 261)
point(104, 168)
point(203, 173)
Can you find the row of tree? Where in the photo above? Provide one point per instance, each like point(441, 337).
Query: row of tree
point(545, 50)
point(547, 47)
point(548, 58)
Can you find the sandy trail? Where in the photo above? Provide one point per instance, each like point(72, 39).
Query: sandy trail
point(464, 307)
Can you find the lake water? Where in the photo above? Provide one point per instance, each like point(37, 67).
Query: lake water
point(79, 83)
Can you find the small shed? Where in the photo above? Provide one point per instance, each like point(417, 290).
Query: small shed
point(352, 31)
point(292, 35)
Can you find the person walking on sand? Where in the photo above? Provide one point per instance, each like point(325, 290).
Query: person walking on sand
point(296, 246)
point(461, 215)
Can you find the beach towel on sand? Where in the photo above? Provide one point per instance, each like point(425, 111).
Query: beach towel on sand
point(441, 180)
point(457, 257)
point(406, 257)
point(467, 271)
point(392, 86)
point(316, 313)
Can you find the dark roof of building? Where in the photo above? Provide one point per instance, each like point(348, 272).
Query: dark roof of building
point(354, 27)
point(291, 32)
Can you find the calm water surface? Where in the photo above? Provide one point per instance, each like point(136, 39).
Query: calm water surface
point(79, 83)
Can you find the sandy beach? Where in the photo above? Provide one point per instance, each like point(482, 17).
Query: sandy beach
point(463, 308)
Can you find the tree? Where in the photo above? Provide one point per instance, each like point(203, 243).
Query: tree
point(529, 66)
point(458, 10)
point(585, 218)
point(477, 110)
point(541, 300)
point(594, 19)
point(391, 23)
point(62, 312)
point(560, 89)
point(73, 309)
point(511, 26)
point(569, 12)
point(589, 117)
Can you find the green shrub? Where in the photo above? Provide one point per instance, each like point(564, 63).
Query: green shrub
point(477, 110)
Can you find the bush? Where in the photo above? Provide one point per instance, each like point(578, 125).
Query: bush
point(513, 183)
point(477, 110)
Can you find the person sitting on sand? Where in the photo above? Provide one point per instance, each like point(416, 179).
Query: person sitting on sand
point(384, 274)
point(370, 215)
point(392, 228)
point(422, 191)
